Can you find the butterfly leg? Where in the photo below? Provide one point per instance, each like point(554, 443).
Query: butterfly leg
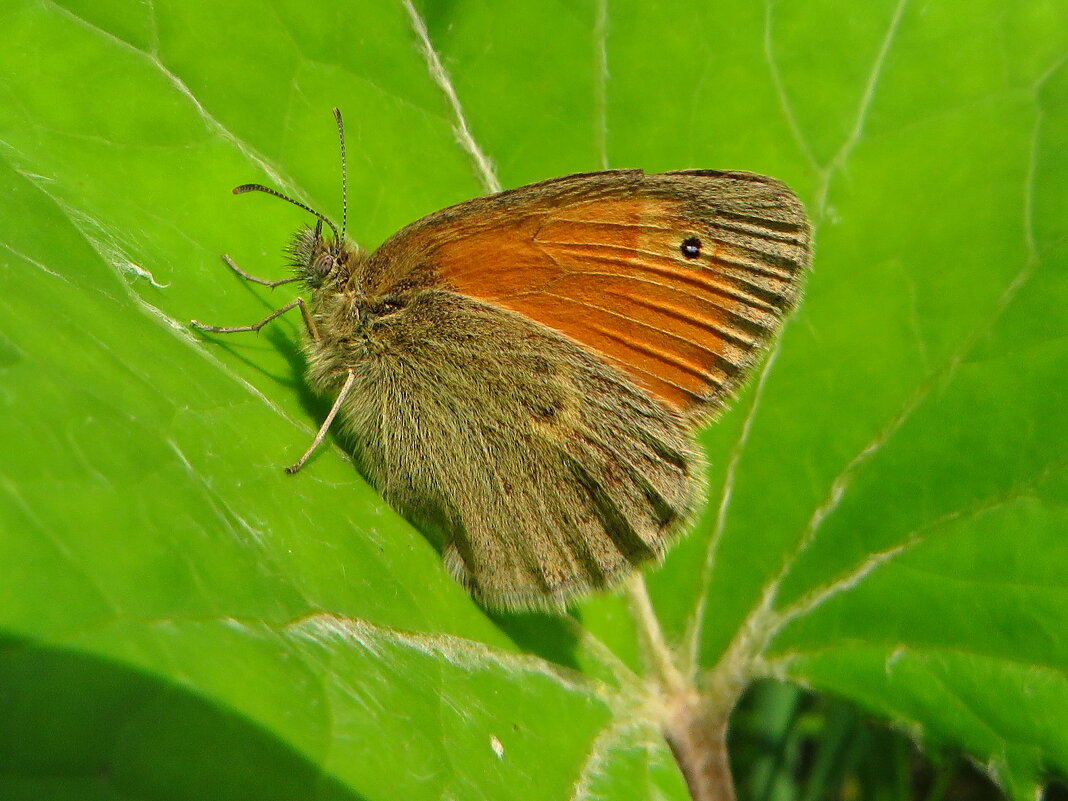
point(272, 284)
point(309, 322)
point(321, 434)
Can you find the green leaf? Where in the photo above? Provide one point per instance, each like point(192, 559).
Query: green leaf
point(887, 500)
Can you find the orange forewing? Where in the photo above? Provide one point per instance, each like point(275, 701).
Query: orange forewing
point(600, 258)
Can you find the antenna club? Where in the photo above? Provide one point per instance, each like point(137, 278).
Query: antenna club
point(240, 190)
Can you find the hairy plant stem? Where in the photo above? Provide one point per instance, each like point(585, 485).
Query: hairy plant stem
point(696, 730)
point(694, 722)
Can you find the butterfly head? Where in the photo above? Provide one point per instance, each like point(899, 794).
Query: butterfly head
point(322, 261)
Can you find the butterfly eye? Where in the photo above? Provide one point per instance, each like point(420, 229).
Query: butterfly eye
point(324, 264)
point(691, 248)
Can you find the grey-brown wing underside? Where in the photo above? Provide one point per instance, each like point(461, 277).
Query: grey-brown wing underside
point(546, 471)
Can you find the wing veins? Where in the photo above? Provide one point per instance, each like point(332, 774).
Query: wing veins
point(727, 333)
point(773, 259)
point(765, 329)
point(756, 232)
point(677, 361)
point(764, 222)
point(612, 223)
point(693, 279)
point(654, 377)
point(767, 268)
point(759, 269)
point(731, 368)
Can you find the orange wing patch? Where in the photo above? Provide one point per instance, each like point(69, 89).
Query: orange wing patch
point(610, 274)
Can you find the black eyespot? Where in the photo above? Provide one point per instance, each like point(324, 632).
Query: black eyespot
point(691, 248)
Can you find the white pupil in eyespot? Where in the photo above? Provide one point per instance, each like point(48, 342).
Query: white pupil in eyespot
point(691, 247)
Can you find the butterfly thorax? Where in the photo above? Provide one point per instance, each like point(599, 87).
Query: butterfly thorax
point(354, 327)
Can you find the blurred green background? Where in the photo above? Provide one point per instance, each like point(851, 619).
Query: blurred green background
point(887, 501)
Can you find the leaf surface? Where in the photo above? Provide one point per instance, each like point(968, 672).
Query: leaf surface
point(887, 500)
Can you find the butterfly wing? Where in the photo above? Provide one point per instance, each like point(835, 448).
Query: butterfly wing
point(533, 396)
point(678, 279)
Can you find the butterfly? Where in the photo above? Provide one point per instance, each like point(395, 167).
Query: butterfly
point(522, 375)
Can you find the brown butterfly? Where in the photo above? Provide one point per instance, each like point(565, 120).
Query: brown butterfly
point(522, 374)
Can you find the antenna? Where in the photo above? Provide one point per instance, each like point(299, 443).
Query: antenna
point(240, 190)
point(344, 174)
